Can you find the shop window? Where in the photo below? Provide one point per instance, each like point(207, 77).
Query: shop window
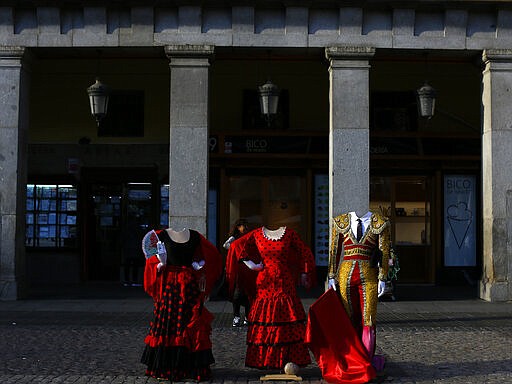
point(164, 206)
point(125, 116)
point(393, 111)
point(321, 224)
point(51, 216)
point(407, 203)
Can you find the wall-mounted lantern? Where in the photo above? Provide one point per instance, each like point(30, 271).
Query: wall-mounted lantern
point(269, 99)
point(426, 101)
point(98, 100)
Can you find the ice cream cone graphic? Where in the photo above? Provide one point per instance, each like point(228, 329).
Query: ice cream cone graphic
point(459, 218)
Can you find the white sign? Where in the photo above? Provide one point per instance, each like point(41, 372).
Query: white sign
point(459, 220)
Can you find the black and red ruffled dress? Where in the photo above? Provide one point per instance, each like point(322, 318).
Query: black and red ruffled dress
point(277, 320)
point(178, 344)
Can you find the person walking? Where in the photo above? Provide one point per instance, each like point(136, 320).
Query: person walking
point(238, 276)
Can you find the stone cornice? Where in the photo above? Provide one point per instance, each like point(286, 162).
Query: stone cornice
point(349, 52)
point(270, 24)
point(497, 55)
point(266, 3)
point(189, 50)
point(8, 52)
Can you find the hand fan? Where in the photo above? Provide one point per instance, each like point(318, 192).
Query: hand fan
point(149, 244)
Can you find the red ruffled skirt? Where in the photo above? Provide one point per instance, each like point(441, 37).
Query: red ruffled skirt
point(275, 336)
point(178, 344)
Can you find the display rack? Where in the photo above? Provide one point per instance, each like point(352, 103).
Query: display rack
point(51, 216)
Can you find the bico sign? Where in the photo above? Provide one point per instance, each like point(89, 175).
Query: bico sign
point(256, 145)
point(459, 220)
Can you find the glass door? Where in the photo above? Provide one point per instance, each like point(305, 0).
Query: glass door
point(118, 216)
point(104, 219)
point(136, 222)
point(412, 229)
point(272, 201)
point(407, 202)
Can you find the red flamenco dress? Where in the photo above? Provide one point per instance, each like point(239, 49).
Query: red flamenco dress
point(178, 344)
point(277, 320)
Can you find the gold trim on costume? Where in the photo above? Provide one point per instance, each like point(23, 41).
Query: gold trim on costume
point(377, 235)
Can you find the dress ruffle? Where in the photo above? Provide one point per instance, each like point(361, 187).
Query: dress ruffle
point(277, 309)
point(276, 357)
point(284, 334)
point(177, 363)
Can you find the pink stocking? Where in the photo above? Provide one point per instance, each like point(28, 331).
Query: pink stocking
point(369, 343)
point(369, 340)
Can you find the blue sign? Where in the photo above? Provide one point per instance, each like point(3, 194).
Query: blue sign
point(459, 221)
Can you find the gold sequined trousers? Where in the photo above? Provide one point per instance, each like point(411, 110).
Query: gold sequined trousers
point(358, 284)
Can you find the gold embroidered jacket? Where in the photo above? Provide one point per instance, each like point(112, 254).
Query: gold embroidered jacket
point(343, 241)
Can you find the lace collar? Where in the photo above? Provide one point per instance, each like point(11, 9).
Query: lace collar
point(274, 235)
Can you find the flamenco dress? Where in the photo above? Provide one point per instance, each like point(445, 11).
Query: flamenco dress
point(178, 345)
point(275, 335)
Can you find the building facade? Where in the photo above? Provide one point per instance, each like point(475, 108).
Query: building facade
point(184, 143)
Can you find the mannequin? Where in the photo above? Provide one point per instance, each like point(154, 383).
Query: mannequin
point(181, 236)
point(276, 331)
point(358, 270)
point(181, 268)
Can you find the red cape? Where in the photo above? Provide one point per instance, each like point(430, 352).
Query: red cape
point(238, 272)
point(337, 348)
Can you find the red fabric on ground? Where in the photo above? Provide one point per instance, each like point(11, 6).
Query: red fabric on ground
point(337, 349)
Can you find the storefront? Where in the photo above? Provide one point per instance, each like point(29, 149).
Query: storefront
point(88, 217)
point(92, 226)
point(184, 142)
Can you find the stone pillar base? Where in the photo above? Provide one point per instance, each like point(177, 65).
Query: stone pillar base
point(9, 290)
point(495, 291)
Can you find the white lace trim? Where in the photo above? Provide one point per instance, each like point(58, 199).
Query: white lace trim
point(274, 235)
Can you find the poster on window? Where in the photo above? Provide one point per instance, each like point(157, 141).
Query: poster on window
point(459, 221)
point(321, 239)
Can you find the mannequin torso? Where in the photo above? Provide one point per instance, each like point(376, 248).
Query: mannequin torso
point(274, 234)
point(181, 236)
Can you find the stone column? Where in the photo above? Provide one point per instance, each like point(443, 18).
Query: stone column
point(496, 283)
point(349, 146)
point(188, 153)
point(13, 171)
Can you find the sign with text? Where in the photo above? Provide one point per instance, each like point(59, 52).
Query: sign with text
point(460, 221)
point(276, 144)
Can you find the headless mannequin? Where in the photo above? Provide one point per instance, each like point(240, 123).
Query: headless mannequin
point(365, 217)
point(271, 234)
point(181, 236)
point(274, 234)
point(359, 288)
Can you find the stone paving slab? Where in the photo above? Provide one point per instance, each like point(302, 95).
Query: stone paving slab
point(85, 343)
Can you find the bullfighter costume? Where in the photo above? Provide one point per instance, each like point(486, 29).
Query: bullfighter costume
point(359, 267)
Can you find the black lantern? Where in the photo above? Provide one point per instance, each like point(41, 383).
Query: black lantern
point(269, 98)
point(98, 99)
point(426, 100)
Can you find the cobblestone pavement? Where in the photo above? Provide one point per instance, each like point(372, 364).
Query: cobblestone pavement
point(100, 341)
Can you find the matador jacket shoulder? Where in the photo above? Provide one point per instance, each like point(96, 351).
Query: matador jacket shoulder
point(344, 243)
